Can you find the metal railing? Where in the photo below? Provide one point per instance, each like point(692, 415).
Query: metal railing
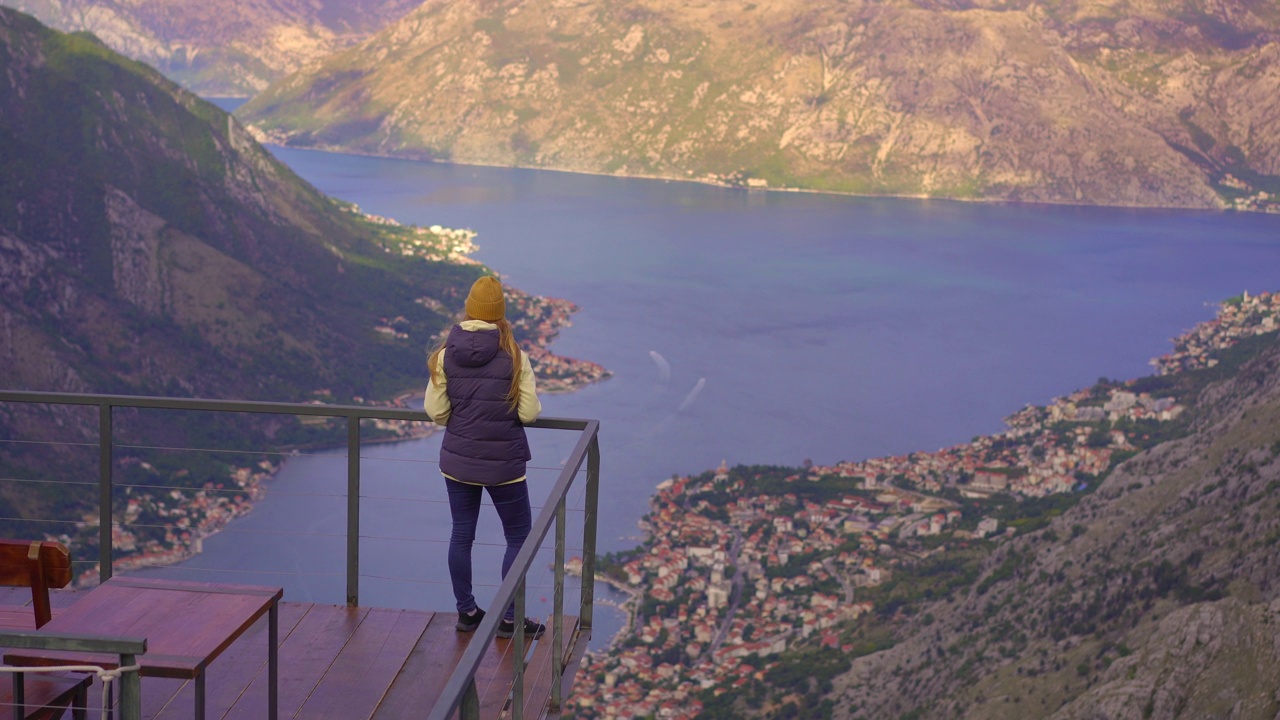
point(127, 649)
point(460, 692)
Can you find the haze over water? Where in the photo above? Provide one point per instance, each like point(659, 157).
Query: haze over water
point(753, 327)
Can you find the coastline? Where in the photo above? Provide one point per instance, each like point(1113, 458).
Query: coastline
point(267, 140)
point(823, 538)
point(204, 512)
point(630, 606)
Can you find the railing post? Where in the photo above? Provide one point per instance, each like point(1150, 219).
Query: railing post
point(130, 690)
point(470, 709)
point(353, 510)
point(105, 443)
point(592, 500)
point(517, 643)
point(557, 612)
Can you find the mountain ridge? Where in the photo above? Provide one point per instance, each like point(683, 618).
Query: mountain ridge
point(1007, 101)
point(220, 48)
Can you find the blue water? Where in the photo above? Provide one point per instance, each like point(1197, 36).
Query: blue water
point(794, 326)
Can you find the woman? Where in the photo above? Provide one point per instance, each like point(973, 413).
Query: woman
point(482, 390)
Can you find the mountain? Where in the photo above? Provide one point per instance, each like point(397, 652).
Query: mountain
point(1145, 103)
point(1157, 596)
point(149, 242)
point(149, 246)
point(221, 47)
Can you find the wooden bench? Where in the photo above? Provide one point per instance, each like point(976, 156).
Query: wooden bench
point(39, 566)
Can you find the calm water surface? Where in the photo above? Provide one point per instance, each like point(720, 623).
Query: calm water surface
point(753, 327)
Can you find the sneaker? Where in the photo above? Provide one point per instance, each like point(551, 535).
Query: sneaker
point(469, 623)
point(532, 630)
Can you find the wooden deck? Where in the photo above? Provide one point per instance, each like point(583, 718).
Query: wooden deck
point(340, 663)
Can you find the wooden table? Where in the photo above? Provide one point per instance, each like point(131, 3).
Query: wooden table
point(186, 625)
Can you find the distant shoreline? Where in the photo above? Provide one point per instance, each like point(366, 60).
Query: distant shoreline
point(564, 375)
point(265, 140)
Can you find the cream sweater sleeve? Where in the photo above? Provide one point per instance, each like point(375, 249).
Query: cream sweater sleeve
point(436, 402)
point(529, 405)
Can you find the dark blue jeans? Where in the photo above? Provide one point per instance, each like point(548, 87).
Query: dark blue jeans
point(512, 504)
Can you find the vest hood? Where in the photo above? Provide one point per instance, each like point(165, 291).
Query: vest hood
point(473, 348)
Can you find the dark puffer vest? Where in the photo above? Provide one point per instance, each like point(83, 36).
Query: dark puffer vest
point(484, 442)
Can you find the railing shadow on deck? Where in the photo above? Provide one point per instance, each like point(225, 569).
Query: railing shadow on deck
point(460, 693)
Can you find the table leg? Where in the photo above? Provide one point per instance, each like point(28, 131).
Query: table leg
point(273, 658)
point(19, 695)
point(200, 695)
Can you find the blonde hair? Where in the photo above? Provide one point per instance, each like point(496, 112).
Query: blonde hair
point(506, 341)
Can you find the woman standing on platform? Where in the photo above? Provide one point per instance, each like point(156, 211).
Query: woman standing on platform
point(482, 391)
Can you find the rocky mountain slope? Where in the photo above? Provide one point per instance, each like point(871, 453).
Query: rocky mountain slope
point(1156, 596)
point(148, 241)
point(221, 47)
point(1152, 103)
point(149, 246)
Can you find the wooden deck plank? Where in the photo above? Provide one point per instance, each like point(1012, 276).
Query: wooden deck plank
point(233, 672)
point(496, 676)
point(16, 612)
point(365, 668)
point(21, 597)
point(538, 682)
point(155, 693)
point(40, 690)
point(425, 672)
point(17, 618)
point(305, 657)
point(159, 695)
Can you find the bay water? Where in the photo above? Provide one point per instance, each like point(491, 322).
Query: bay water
point(746, 326)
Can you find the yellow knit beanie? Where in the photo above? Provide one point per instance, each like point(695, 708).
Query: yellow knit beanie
point(485, 301)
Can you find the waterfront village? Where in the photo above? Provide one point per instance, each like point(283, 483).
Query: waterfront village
point(167, 523)
point(726, 576)
point(734, 570)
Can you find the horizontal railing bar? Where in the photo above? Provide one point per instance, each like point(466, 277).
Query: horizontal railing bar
point(48, 482)
point(222, 451)
point(416, 581)
point(18, 519)
point(438, 541)
point(254, 406)
point(232, 490)
point(49, 442)
point(292, 573)
point(236, 531)
point(25, 640)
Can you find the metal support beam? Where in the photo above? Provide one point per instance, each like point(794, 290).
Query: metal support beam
point(105, 444)
point(470, 709)
point(131, 691)
point(592, 505)
point(557, 612)
point(517, 644)
point(353, 511)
